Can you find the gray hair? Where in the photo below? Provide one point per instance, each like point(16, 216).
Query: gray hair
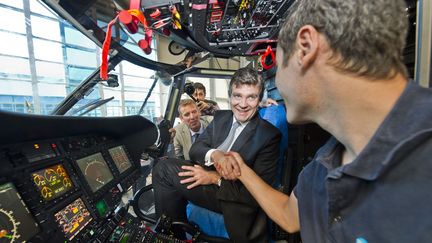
point(367, 37)
point(185, 102)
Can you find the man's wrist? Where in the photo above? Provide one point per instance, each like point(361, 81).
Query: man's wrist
point(208, 159)
point(244, 169)
point(216, 155)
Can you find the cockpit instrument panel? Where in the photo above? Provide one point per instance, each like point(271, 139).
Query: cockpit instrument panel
point(95, 171)
point(227, 27)
point(16, 222)
point(39, 151)
point(62, 179)
point(224, 28)
point(52, 182)
point(242, 26)
point(73, 218)
point(64, 192)
point(120, 158)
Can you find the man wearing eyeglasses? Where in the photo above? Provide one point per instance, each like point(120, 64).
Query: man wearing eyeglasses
point(240, 129)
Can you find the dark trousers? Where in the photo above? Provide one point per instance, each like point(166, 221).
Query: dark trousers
point(171, 197)
point(244, 223)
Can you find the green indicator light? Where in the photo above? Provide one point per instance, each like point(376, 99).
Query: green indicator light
point(102, 208)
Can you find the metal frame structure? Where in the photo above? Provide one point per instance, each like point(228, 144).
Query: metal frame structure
point(423, 64)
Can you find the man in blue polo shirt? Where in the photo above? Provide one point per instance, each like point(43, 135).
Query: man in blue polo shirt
point(340, 66)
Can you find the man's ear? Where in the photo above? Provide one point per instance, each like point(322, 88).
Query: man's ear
point(308, 45)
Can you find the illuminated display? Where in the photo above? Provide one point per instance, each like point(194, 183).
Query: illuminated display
point(120, 158)
point(16, 222)
point(73, 218)
point(102, 208)
point(52, 182)
point(39, 151)
point(95, 171)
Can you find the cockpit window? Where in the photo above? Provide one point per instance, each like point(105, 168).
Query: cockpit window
point(44, 58)
point(134, 83)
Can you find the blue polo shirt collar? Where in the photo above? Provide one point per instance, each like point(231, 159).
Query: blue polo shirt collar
point(396, 132)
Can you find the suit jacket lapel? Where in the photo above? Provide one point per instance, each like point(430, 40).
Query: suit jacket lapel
point(245, 135)
point(222, 129)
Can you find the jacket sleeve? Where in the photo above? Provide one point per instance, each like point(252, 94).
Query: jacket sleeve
point(202, 145)
point(178, 147)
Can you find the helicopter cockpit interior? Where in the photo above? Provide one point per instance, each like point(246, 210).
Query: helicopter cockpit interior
point(69, 173)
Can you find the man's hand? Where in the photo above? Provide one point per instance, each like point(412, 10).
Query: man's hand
point(202, 106)
point(226, 165)
point(268, 102)
point(172, 132)
point(232, 165)
point(197, 175)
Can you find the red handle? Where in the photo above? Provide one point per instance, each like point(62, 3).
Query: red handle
point(105, 48)
point(268, 52)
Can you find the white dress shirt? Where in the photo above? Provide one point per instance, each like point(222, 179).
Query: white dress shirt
point(208, 161)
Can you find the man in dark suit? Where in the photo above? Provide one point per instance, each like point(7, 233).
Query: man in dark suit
point(241, 130)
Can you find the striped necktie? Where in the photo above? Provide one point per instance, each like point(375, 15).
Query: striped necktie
point(229, 139)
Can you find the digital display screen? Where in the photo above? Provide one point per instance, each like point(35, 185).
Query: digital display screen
point(16, 222)
point(52, 182)
point(121, 160)
point(95, 171)
point(102, 208)
point(39, 151)
point(73, 218)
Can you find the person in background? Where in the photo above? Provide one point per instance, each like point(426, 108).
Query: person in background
point(191, 126)
point(206, 107)
point(268, 102)
point(340, 65)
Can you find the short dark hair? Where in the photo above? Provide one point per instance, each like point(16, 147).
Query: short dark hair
point(247, 76)
point(200, 86)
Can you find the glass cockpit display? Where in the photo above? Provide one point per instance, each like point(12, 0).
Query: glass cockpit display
point(121, 160)
point(52, 182)
point(73, 218)
point(95, 171)
point(16, 222)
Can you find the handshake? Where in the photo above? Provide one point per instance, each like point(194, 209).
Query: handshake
point(229, 165)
